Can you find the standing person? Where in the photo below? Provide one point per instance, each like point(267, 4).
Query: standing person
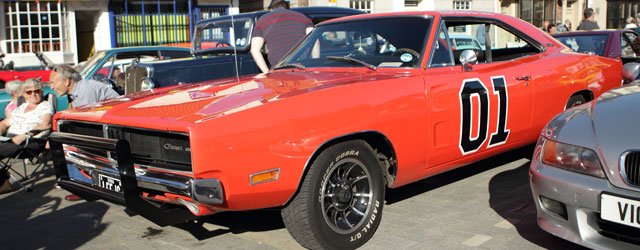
point(280, 29)
point(545, 26)
point(14, 89)
point(631, 23)
point(552, 29)
point(589, 21)
point(66, 80)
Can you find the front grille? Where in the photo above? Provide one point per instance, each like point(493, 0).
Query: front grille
point(148, 147)
point(632, 168)
point(618, 232)
point(90, 129)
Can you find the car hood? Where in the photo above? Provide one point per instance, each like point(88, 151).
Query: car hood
point(178, 108)
point(615, 122)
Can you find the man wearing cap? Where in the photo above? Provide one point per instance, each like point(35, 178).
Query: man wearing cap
point(65, 80)
point(280, 29)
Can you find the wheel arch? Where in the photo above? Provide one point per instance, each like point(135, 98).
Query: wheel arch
point(586, 93)
point(379, 142)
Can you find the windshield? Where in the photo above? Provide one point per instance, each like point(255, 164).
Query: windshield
point(382, 42)
point(589, 44)
point(90, 64)
point(218, 36)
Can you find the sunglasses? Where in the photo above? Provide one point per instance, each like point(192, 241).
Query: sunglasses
point(35, 91)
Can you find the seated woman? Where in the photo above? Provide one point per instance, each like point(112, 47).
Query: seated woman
point(12, 88)
point(26, 120)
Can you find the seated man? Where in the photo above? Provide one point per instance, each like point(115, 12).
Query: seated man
point(25, 120)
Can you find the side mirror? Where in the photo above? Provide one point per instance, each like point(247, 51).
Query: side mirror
point(467, 58)
point(631, 72)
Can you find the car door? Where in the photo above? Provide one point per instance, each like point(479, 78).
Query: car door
point(477, 110)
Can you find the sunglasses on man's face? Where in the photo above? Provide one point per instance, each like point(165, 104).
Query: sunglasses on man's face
point(35, 91)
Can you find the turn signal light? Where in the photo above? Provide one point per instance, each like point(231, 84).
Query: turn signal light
point(265, 176)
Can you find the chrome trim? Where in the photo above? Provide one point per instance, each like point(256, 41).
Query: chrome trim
point(125, 126)
point(623, 172)
point(147, 178)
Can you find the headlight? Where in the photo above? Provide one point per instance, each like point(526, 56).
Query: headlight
point(572, 158)
point(146, 84)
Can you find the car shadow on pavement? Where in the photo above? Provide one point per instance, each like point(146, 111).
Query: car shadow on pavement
point(510, 196)
point(235, 223)
point(36, 220)
point(446, 178)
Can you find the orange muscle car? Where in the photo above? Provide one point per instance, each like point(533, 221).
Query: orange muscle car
point(363, 103)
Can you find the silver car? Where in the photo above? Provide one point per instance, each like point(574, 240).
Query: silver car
point(585, 172)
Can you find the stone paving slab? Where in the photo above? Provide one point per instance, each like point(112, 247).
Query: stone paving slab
point(486, 205)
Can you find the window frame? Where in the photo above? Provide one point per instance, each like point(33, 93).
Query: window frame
point(17, 42)
point(481, 20)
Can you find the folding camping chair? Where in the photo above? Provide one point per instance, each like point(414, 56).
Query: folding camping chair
point(35, 151)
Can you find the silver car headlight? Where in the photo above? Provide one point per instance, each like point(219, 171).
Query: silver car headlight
point(146, 84)
point(572, 158)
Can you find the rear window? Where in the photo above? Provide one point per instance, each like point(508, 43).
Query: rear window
point(589, 44)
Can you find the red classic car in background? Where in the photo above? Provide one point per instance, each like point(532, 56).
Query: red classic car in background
point(364, 103)
point(9, 72)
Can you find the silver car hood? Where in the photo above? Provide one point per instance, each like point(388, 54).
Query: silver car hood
point(610, 125)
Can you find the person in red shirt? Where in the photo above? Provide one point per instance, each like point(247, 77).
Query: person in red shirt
point(280, 29)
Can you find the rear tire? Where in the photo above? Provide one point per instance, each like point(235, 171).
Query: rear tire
point(339, 205)
point(575, 100)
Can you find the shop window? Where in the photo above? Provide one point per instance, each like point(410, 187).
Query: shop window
point(462, 5)
point(35, 26)
point(363, 5)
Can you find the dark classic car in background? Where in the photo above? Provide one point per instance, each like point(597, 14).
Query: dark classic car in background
point(102, 67)
point(619, 44)
point(387, 101)
point(585, 172)
point(214, 53)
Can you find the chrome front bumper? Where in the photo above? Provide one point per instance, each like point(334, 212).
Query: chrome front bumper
point(133, 180)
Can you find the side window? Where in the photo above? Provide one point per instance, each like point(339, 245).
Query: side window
point(103, 70)
point(173, 54)
point(630, 44)
point(441, 52)
point(504, 45)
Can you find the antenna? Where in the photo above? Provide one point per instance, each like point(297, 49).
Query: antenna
point(235, 49)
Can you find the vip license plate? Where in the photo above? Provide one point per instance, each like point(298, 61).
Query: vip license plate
point(109, 183)
point(620, 210)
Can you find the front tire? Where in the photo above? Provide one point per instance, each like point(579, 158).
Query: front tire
point(339, 205)
point(575, 101)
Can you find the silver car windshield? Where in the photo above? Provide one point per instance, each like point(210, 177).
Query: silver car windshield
point(91, 63)
point(390, 42)
point(218, 36)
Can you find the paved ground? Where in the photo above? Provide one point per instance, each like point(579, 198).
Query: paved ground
point(487, 205)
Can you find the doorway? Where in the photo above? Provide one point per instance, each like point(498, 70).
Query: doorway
point(86, 22)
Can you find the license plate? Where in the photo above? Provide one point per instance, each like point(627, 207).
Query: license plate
point(620, 210)
point(109, 183)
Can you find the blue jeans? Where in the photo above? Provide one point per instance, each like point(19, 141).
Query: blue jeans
point(74, 174)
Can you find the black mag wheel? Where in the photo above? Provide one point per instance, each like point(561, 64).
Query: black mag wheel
point(339, 205)
point(345, 196)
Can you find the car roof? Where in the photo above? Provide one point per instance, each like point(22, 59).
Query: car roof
point(303, 10)
point(587, 32)
point(442, 13)
point(145, 48)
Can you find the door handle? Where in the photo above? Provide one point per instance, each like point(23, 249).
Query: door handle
point(523, 78)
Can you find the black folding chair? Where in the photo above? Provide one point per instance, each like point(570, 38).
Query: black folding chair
point(35, 151)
